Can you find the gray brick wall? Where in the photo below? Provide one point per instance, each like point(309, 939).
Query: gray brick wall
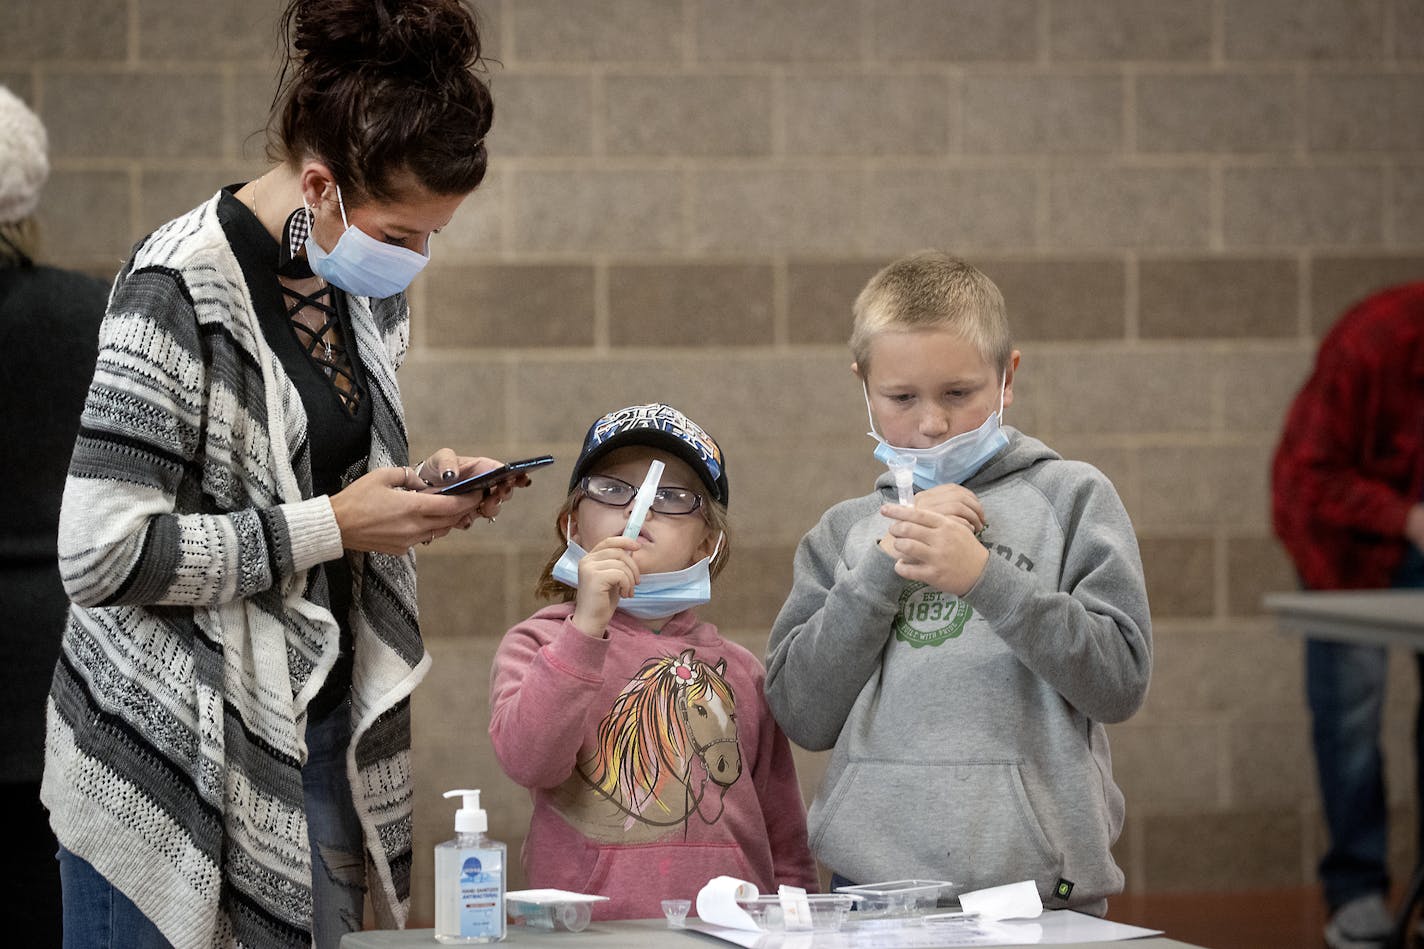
point(1176, 196)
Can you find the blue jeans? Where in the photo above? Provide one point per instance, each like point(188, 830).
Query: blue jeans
point(98, 916)
point(1344, 684)
point(338, 854)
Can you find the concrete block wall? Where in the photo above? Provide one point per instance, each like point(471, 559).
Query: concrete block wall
point(1177, 198)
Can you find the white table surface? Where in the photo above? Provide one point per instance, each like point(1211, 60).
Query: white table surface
point(1380, 617)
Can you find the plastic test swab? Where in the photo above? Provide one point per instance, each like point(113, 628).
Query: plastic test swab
point(903, 467)
point(644, 499)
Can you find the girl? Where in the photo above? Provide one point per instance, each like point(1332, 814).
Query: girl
point(643, 736)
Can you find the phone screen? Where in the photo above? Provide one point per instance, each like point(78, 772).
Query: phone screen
point(496, 475)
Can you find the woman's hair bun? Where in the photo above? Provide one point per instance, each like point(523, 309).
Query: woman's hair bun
point(378, 89)
point(414, 37)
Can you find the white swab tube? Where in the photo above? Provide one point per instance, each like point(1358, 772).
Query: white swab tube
point(644, 499)
point(903, 467)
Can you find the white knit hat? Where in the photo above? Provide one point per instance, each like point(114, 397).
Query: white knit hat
point(24, 165)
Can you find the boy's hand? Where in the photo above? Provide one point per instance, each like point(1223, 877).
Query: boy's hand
point(937, 549)
point(606, 573)
point(953, 500)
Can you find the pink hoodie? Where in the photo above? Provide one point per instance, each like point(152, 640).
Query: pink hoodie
point(652, 759)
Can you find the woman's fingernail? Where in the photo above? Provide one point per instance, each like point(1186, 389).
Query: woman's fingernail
point(448, 475)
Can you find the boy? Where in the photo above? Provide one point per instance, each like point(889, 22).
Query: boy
point(961, 655)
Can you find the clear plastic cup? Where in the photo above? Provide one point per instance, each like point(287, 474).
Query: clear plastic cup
point(676, 912)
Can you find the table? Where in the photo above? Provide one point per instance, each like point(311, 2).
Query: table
point(1374, 617)
point(1367, 617)
point(642, 934)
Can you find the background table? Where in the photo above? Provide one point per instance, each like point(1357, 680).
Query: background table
point(1375, 617)
point(1367, 617)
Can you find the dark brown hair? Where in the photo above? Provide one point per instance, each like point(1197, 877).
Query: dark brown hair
point(374, 88)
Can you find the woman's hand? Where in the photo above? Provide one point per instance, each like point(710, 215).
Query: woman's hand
point(381, 511)
point(606, 573)
point(445, 467)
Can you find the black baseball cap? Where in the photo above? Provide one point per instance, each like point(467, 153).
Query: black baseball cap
point(656, 425)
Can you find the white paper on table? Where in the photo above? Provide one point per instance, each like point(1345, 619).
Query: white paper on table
point(1011, 901)
point(549, 896)
point(717, 903)
point(1054, 927)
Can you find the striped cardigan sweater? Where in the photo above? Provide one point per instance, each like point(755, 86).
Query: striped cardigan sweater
point(198, 629)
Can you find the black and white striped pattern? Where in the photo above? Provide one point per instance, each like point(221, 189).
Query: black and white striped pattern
point(197, 637)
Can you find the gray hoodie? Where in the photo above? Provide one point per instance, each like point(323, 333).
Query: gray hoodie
point(968, 733)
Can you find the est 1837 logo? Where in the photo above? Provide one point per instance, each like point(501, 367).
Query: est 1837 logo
point(928, 616)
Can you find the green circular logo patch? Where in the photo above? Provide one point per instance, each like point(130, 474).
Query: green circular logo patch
point(928, 616)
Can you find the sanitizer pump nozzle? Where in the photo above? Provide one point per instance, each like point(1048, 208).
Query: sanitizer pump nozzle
point(470, 819)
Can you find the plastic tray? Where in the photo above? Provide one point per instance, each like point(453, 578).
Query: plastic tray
point(828, 911)
point(895, 898)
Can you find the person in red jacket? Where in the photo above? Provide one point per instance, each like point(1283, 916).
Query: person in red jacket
point(643, 736)
point(1348, 504)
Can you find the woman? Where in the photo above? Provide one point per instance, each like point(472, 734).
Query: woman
point(228, 730)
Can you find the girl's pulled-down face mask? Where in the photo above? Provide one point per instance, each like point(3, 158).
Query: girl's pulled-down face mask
point(657, 594)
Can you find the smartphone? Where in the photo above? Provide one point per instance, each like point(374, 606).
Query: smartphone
point(494, 476)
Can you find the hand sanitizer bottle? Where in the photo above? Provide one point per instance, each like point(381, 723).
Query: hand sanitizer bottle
point(469, 879)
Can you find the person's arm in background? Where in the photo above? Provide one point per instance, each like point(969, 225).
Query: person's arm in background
point(1414, 526)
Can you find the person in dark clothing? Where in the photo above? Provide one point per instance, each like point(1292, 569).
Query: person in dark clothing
point(1348, 505)
point(49, 328)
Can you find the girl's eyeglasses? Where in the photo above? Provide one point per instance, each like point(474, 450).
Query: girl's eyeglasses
point(616, 493)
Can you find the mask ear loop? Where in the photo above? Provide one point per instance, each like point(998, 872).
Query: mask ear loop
point(865, 391)
point(716, 548)
point(342, 205)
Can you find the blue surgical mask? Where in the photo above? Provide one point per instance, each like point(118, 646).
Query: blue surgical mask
point(657, 594)
point(954, 460)
point(362, 265)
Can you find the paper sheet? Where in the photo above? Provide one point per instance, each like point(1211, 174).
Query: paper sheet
point(548, 896)
point(717, 904)
point(1010, 901)
point(1054, 927)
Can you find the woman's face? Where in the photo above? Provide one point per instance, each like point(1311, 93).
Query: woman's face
point(408, 221)
point(669, 541)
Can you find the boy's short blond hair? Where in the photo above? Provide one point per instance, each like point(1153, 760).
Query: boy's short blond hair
point(932, 290)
